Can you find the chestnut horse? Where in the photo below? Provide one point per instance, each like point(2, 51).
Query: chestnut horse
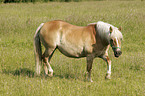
point(74, 41)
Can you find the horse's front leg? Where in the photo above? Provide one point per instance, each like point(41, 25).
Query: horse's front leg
point(108, 61)
point(89, 67)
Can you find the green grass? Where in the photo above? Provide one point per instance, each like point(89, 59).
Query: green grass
point(18, 23)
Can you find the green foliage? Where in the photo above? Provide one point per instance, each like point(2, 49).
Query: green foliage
point(18, 23)
point(24, 1)
point(18, 1)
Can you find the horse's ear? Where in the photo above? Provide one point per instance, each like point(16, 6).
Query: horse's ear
point(120, 28)
point(111, 29)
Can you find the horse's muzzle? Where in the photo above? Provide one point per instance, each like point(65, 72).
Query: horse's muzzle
point(117, 53)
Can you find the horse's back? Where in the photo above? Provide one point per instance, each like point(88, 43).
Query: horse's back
point(56, 31)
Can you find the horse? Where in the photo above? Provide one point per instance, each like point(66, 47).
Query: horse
point(73, 41)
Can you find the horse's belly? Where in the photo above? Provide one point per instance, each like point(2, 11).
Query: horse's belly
point(72, 51)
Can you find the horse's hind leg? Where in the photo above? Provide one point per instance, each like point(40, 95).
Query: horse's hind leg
point(89, 67)
point(46, 58)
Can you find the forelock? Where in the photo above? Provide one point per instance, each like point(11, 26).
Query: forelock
point(116, 33)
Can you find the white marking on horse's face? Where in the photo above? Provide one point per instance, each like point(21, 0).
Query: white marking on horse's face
point(115, 42)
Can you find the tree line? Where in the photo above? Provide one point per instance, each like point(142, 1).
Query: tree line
point(21, 1)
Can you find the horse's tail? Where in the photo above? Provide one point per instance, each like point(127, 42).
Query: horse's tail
point(38, 50)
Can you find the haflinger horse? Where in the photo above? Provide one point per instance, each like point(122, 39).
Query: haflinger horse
point(74, 41)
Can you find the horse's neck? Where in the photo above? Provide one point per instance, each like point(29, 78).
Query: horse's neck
point(102, 37)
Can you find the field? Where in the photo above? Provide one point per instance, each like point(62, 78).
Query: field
point(18, 23)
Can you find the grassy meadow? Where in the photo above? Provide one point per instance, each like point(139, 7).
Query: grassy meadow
point(18, 23)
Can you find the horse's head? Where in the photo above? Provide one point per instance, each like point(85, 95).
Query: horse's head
point(115, 40)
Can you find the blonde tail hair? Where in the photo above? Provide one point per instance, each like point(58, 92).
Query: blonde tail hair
point(38, 50)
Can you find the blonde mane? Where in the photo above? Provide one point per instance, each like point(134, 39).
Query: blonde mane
point(104, 30)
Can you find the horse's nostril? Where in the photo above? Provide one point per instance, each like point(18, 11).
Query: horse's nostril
point(120, 53)
point(117, 53)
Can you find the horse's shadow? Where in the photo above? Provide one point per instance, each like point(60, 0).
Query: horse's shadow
point(25, 72)
point(20, 72)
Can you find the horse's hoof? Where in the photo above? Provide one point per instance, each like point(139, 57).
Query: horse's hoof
point(90, 80)
point(107, 77)
point(50, 75)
